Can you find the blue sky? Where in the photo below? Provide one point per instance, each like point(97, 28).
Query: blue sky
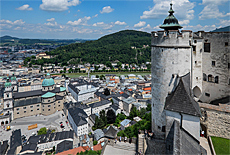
point(91, 19)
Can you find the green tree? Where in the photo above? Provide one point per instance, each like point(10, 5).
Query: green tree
point(97, 76)
point(148, 107)
point(42, 131)
point(111, 116)
point(95, 142)
point(133, 112)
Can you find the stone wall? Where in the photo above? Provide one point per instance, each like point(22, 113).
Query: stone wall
point(217, 119)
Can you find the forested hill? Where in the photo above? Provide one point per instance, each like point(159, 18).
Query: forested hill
point(222, 29)
point(116, 46)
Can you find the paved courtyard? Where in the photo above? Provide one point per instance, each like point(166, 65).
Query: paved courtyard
point(51, 121)
point(120, 148)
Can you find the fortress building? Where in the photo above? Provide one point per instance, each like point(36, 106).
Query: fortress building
point(187, 67)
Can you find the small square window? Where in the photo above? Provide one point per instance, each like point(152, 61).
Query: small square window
point(38, 105)
point(31, 106)
point(48, 105)
point(17, 108)
point(24, 107)
point(48, 100)
point(213, 63)
point(195, 41)
point(24, 111)
point(48, 109)
point(42, 109)
point(38, 109)
point(226, 43)
point(207, 94)
point(31, 110)
point(17, 112)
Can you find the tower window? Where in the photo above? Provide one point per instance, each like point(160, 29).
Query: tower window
point(216, 79)
point(210, 78)
point(226, 43)
point(7, 95)
point(213, 63)
point(206, 47)
point(204, 77)
point(207, 94)
point(193, 48)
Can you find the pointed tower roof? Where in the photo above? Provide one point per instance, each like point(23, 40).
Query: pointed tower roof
point(170, 22)
point(8, 83)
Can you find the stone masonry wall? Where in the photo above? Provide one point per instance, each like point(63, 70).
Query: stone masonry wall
point(218, 120)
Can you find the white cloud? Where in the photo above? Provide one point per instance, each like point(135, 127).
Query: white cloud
point(95, 16)
point(224, 23)
point(200, 27)
point(120, 23)
point(107, 9)
point(216, 2)
point(211, 11)
point(25, 7)
point(140, 24)
point(58, 5)
point(80, 21)
point(103, 25)
point(184, 22)
point(183, 9)
point(16, 22)
point(51, 24)
point(51, 20)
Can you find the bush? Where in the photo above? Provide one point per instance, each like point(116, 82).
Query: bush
point(95, 142)
point(42, 131)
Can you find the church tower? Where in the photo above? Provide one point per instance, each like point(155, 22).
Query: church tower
point(8, 98)
point(171, 57)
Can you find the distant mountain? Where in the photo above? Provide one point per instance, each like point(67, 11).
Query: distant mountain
point(223, 29)
point(8, 38)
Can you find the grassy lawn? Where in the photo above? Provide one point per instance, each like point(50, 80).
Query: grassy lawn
point(75, 75)
point(221, 145)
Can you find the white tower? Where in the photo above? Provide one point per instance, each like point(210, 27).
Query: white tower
point(171, 57)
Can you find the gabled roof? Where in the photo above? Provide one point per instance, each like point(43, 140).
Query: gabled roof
point(98, 134)
point(111, 132)
point(181, 101)
point(78, 116)
point(125, 122)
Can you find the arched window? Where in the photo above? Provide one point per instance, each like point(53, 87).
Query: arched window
point(216, 79)
point(204, 77)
